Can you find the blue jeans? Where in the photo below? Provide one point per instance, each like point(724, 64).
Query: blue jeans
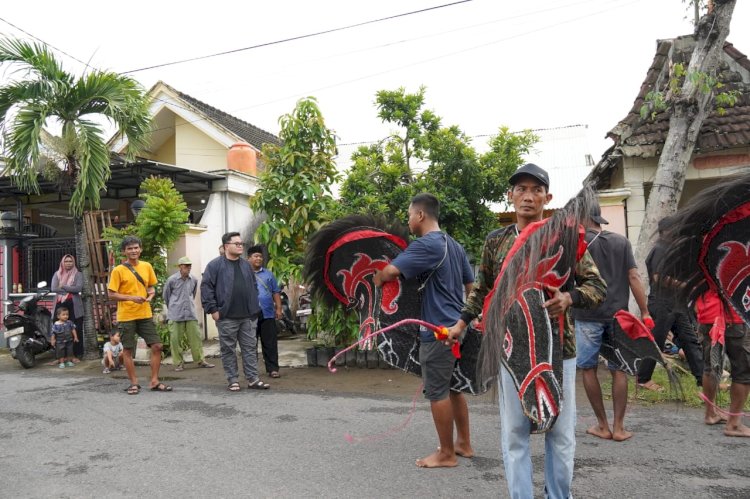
point(559, 442)
point(232, 331)
point(589, 337)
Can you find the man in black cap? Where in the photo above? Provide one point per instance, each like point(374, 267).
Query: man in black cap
point(529, 194)
point(613, 256)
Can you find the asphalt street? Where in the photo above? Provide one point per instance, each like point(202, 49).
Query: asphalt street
point(75, 433)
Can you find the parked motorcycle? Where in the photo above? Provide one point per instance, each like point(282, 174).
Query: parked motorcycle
point(304, 310)
point(286, 324)
point(28, 327)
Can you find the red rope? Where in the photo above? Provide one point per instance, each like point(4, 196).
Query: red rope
point(719, 409)
point(440, 333)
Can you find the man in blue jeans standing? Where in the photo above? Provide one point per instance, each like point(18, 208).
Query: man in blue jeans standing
point(613, 256)
point(529, 194)
point(229, 294)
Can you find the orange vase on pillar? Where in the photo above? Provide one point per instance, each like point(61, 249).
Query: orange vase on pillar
point(241, 157)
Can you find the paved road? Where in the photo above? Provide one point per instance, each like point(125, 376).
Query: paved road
point(76, 434)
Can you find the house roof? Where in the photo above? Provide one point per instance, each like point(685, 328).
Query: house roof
point(634, 136)
point(244, 130)
point(124, 182)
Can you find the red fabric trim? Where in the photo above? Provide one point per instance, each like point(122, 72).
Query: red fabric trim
point(738, 213)
point(354, 235)
point(633, 326)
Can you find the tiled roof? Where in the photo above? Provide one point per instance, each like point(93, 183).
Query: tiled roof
point(634, 136)
point(247, 132)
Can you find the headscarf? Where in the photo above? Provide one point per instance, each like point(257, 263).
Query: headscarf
point(66, 277)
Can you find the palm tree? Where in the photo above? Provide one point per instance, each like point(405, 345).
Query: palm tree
point(47, 96)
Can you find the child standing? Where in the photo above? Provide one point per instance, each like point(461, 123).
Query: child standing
point(63, 336)
point(112, 351)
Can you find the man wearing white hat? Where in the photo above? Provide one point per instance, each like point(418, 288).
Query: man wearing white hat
point(179, 295)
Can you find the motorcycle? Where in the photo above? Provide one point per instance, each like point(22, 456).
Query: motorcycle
point(286, 324)
point(304, 310)
point(27, 328)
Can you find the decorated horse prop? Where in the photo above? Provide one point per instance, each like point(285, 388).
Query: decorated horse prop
point(709, 249)
point(519, 332)
point(341, 260)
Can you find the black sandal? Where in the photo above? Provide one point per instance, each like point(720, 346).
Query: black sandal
point(234, 387)
point(258, 385)
point(161, 387)
point(133, 389)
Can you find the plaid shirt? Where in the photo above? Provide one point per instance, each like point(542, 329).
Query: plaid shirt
point(590, 289)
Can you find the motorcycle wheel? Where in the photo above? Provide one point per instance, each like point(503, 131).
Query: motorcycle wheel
point(25, 357)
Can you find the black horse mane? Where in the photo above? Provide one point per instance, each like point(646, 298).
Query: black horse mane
point(687, 229)
point(323, 238)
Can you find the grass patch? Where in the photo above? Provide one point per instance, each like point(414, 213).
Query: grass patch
point(690, 391)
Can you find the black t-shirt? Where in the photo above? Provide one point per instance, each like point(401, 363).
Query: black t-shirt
point(613, 256)
point(238, 307)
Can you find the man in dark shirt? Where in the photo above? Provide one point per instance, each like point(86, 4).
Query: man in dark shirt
point(230, 296)
point(613, 256)
point(666, 318)
point(443, 267)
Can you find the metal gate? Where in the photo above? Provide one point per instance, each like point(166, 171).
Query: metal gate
point(43, 258)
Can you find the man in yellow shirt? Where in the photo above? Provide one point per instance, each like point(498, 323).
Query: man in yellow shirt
point(131, 285)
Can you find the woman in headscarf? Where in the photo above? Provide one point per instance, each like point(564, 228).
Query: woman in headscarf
point(68, 283)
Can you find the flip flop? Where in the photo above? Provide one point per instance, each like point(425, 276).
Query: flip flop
point(131, 386)
point(258, 385)
point(651, 386)
point(161, 387)
point(234, 387)
point(133, 389)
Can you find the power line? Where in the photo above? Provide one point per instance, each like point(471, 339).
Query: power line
point(548, 129)
point(300, 37)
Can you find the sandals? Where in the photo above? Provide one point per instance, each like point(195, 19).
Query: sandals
point(205, 365)
point(258, 385)
point(180, 367)
point(234, 387)
point(133, 389)
point(275, 374)
point(651, 386)
point(161, 387)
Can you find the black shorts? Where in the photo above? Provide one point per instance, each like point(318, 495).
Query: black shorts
point(737, 347)
point(437, 362)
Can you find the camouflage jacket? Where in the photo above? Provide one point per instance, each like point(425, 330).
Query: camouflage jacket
point(589, 291)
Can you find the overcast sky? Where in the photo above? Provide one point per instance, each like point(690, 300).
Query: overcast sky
point(485, 63)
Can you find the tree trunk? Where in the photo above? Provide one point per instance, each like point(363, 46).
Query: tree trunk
point(90, 347)
point(690, 108)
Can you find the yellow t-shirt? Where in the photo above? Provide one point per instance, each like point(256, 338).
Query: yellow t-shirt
point(123, 281)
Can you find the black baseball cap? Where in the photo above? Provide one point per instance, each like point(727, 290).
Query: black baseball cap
point(596, 214)
point(531, 170)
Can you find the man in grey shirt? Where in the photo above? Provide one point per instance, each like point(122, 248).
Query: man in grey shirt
point(179, 295)
point(613, 256)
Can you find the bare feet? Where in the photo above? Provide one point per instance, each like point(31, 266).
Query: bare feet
point(600, 432)
point(438, 460)
point(738, 430)
point(714, 419)
point(463, 450)
point(621, 435)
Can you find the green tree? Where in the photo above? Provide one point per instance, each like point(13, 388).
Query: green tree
point(48, 96)
point(295, 188)
point(381, 181)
